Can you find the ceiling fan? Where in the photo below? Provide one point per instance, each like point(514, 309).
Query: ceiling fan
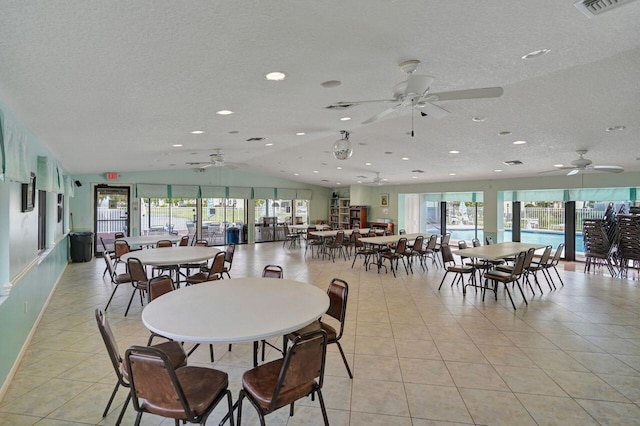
point(377, 181)
point(581, 164)
point(414, 93)
point(216, 160)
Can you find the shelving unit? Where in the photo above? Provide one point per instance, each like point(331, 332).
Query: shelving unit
point(357, 217)
point(339, 213)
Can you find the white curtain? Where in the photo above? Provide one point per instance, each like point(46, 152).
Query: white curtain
point(240, 192)
point(46, 175)
point(286, 194)
point(207, 191)
point(69, 188)
point(16, 160)
point(185, 191)
point(150, 190)
point(264, 193)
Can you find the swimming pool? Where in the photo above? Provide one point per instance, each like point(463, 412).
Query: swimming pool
point(526, 236)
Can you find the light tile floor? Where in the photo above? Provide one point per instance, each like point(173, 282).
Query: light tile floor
point(420, 356)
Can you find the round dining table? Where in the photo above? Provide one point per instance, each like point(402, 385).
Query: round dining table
point(150, 240)
point(236, 310)
point(172, 255)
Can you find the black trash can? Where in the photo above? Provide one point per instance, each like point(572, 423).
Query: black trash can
point(233, 235)
point(81, 246)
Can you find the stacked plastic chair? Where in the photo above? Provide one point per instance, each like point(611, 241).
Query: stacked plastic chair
point(597, 246)
point(629, 243)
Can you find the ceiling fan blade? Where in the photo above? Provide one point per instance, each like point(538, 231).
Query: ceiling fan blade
point(610, 169)
point(383, 114)
point(344, 103)
point(418, 84)
point(432, 110)
point(195, 163)
point(456, 95)
point(573, 172)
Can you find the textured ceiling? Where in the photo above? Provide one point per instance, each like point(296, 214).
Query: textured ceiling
point(110, 86)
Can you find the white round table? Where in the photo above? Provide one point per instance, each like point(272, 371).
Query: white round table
point(150, 240)
point(172, 255)
point(236, 310)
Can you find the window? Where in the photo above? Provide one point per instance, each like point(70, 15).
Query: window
point(42, 220)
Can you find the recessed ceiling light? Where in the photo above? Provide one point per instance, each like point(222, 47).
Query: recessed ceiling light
point(224, 112)
point(519, 142)
point(367, 164)
point(339, 168)
point(359, 181)
point(479, 119)
point(454, 152)
point(385, 180)
point(177, 145)
point(300, 134)
point(296, 174)
point(414, 177)
point(615, 128)
point(536, 54)
point(405, 158)
point(315, 171)
point(276, 76)
point(338, 183)
point(330, 83)
point(504, 133)
point(558, 165)
point(197, 132)
point(452, 174)
point(345, 119)
point(497, 170)
point(268, 144)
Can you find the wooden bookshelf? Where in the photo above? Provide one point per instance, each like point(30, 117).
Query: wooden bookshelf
point(339, 213)
point(357, 217)
point(382, 226)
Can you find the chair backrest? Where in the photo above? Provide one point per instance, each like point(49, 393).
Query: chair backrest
point(118, 235)
point(402, 232)
point(372, 233)
point(201, 243)
point(556, 256)
point(184, 241)
point(356, 239)
point(120, 247)
point(447, 255)
point(529, 258)
point(109, 262)
point(217, 266)
point(488, 240)
point(339, 237)
point(387, 232)
point(159, 285)
point(476, 242)
point(302, 365)
point(518, 266)
point(137, 270)
point(153, 380)
point(462, 244)
point(445, 238)
point(104, 246)
point(111, 345)
point(228, 257)
point(164, 244)
point(338, 293)
point(544, 259)
point(401, 245)
point(309, 236)
point(417, 244)
point(272, 271)
point(432, 243)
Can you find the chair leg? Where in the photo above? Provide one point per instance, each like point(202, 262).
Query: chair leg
point(130, 300)
point(323, 408)
point(112, 294)
point(211, 352)
point(124, 408)
point(344, 359)
point(113, 395)
point(443, 278)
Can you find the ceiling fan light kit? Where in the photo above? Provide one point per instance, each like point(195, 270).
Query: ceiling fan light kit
point(342, 147)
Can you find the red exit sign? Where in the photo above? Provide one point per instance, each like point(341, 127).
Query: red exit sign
point(112, 176)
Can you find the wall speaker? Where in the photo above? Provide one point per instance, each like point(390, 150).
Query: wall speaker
point(78, 183)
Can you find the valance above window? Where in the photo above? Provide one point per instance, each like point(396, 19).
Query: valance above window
point(150, 190)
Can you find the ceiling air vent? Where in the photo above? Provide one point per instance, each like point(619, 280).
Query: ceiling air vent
point(339, 106)
point(417, 171)
point(512, 162)
point(592, 8)
point(255, 139)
